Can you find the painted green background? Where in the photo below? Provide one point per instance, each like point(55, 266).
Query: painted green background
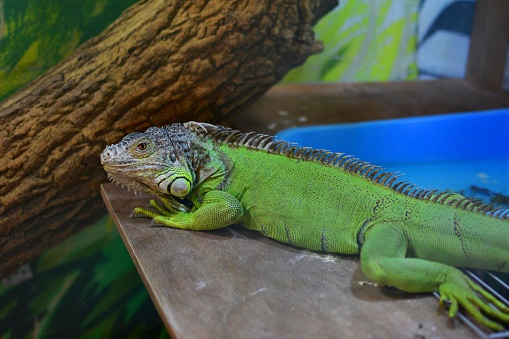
point(364, 41)
point(36, 34)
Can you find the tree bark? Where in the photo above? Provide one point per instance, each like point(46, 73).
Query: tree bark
point(160, 62)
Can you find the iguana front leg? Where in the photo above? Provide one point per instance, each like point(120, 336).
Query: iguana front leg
point(219, 209)
point(383, 260)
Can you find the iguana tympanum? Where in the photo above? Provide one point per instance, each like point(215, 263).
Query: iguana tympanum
point(208, 177)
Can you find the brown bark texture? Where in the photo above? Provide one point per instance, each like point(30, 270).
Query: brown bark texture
point(160, 62)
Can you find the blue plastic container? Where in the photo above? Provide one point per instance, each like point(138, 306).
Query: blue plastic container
point(456, 151)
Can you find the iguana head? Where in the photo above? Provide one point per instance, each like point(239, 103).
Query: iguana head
point(151, 162)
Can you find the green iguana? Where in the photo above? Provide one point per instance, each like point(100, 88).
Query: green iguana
point(208, 177)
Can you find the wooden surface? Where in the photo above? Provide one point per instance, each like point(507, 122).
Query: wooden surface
point(488, 44)
point(235, 283)
point(287, 106)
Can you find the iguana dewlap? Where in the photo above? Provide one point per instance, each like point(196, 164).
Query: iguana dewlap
point(208, 177)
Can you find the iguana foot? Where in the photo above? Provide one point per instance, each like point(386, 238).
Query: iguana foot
point(166, 209)
point(162, 216)
point(482, 305)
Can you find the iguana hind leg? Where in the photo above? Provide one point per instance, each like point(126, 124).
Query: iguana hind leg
point(383, 259)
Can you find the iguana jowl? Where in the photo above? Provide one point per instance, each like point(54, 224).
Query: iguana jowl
point(208, 177)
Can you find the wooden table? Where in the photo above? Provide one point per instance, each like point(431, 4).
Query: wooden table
point(234, 283)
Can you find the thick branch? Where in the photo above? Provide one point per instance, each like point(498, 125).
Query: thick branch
point(161, 62)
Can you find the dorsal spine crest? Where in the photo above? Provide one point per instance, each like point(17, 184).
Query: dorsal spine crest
point(348, 163)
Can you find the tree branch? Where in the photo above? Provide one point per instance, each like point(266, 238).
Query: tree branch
point(160, 62)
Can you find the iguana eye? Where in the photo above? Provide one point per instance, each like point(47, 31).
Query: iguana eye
point(142, 146)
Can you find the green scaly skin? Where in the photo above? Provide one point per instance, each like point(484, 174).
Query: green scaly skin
point(208, 177)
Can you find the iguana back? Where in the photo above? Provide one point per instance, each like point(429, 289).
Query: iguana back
point(326, 201)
